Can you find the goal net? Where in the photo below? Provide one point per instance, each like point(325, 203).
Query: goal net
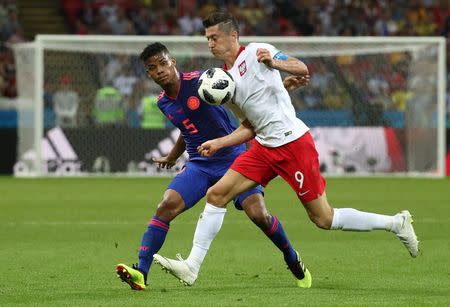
point(375, 105)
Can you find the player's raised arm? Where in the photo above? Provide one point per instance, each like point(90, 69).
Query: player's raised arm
point(284, 63)
point(242, 134)
point(171, 159)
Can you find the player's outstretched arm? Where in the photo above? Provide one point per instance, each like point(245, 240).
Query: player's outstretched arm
point(290, 65)
point(242, 134)
point(171, 159)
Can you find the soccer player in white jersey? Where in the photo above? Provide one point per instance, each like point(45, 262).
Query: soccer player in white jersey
point(282, 147)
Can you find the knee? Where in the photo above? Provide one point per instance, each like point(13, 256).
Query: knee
point(169, 208)
point(322, 221)
point(256, 211)
point(214, 196)
point(262, 219)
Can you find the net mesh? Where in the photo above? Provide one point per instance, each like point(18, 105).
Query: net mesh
point(372, 106)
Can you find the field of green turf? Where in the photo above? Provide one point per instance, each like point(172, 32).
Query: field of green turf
point(60, 240)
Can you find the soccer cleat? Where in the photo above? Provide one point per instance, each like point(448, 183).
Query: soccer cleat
point(405, 232)
point(178, 268)
point(131, 276)
point(301, 273)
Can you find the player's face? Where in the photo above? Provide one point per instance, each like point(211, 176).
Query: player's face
point(219, 42)
point(161, 68)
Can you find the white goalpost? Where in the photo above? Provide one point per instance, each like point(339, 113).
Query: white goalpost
point(375, 105)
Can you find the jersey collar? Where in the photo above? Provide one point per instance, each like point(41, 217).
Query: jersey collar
point(241, 48)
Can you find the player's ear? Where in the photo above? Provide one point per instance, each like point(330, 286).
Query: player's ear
point(234, 34)
point(174, 62)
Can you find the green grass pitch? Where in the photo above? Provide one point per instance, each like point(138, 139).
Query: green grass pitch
point(60, 240)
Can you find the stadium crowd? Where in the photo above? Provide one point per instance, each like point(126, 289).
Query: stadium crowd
point(261, 17)
point(386, 90)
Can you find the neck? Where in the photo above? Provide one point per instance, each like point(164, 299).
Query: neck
point(172, 88)
point(231, 55)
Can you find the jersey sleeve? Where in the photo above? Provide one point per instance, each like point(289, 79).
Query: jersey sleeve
point(275, 53)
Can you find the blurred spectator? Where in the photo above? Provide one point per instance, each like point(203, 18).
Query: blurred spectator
point(110, 67)
point(66, 102)
point(400, 97)
point(207, 8)
point(190, 24)
point(150, 114)
point(425, 26)
point(142, 21)
point(109, 11)
point(125, 82)
point(10, 26)
point(254, 16)
point(162, 24)
point(441, 12)
point(108, 106)
point(312, 98)
point(120, 25)
point(8, 73)
point(386, 25)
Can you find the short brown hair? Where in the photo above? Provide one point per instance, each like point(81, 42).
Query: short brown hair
point(225, 20)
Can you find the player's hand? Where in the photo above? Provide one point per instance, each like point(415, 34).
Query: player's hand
point(263, 56)
point(209, 148)
point(294, 82)
point(165, 162)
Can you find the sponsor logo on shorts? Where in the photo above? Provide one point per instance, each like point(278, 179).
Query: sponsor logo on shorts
point(288, 133)
point(301, 194)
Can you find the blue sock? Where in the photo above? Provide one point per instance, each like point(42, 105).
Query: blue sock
point(277, 235)
point(152, 241)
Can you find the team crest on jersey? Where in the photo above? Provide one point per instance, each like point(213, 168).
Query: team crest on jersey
point(193, 103)
point(242, 68)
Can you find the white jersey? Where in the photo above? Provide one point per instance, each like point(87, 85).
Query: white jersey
point(263, 100)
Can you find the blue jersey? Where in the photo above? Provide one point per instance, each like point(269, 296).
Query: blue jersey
point(197, 120)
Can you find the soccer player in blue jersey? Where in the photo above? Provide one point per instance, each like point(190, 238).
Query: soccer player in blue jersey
point(198, 123)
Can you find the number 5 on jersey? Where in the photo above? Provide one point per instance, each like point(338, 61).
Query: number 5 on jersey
point(190, 126)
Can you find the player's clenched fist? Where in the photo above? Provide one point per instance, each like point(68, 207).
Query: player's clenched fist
point(208, 148)
point(293, 82)
point(263, 56)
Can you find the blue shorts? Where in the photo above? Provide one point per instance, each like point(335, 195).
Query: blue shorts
point(197, 177)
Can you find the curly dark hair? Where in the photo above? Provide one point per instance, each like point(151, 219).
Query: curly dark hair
point(153, 49)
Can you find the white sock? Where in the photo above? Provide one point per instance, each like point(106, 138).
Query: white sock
point(208, 226)
point(353, 220)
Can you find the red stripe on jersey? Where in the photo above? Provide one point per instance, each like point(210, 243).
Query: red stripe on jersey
point(241, 48)
point(191, 75)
